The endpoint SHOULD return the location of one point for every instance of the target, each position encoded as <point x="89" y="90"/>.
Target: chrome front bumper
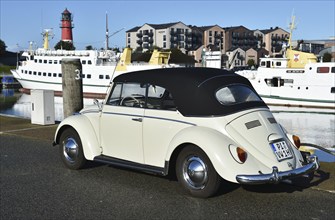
<point x="276" y="176"/>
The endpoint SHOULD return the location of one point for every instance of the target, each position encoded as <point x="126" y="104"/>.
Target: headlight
<point x="239" y="155"/>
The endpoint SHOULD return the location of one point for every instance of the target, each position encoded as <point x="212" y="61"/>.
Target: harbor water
<point x="312" y="126"/>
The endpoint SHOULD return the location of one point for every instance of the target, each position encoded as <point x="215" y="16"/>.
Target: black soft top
<point x="193" y="89"/>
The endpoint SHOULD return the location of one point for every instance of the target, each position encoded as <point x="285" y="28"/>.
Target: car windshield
<point x="235" y="94"/>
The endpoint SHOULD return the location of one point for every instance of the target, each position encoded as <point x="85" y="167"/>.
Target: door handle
<point x="137" y="119"/>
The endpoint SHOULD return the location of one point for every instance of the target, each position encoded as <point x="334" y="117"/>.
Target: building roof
<point x="266" y="31"/>
<point x="134" y="29"/>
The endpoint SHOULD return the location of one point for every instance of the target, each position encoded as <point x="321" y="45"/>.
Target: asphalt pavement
<point x="36" y="185"/>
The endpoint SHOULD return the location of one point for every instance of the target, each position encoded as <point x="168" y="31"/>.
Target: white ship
<point x="297" y="80"/>
<point x="41" y="69"/>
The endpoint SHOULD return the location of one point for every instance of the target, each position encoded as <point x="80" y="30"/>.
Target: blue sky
<point x="23" y="21"/>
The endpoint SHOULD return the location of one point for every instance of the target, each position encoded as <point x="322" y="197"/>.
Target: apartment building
<point x="213" y="37"/>
<point x="239" y="37"/>
<point x="273" y="39"/>
<point x="193" y="40"/>
<point x="166" y="36"/>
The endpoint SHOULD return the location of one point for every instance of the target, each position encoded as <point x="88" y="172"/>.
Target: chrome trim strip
<point x="151" y="117"/>
<point x="276" y="176"/>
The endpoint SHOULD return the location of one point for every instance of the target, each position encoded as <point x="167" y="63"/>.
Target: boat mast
<point x="107" y="37"/>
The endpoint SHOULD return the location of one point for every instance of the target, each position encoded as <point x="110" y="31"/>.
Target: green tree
<point x="2" y="47"/>
<point x="65" y="45"/>
<point x="89" y="47"/>
<point x="251" y="62"/>
<point x="327" y="57"/>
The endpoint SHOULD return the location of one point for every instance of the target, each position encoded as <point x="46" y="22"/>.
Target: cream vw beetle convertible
<point x="203" y="124"/>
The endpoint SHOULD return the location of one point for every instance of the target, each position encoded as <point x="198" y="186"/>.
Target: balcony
<point x="139" y="35"/>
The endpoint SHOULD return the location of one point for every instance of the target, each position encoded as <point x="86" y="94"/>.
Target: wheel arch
<point x="85" y="131"/>
<point x="212" y="142"/>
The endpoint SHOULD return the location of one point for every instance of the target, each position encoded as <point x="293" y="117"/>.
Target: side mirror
<point x="97" y="103"/>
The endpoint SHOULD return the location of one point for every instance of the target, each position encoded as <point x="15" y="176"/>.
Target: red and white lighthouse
<point x="66" y="26"/>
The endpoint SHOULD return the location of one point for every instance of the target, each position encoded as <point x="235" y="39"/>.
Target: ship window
<point x="60" y="62"/>
<point x="88" y="76"/>
<point x="101" y="76"/>
<point x="323" y="69"/>
<point x="263" y="63"/>
<point x="40" y="61"/>
<point x="59" y="75"/>
<point x="50" y="61"/>
<point x="89" y="62"/>
<point x="278" y="63"/>
<point x="82" y="76"/>
<point x="44" y="74"/>
<point x="107" y="77"/>
<point x="29" y="72"/>
<point x="35" y="60"/>
<point x="45" y="61"/>
<point x="55" y="75"/>
<point x="39" y="73"/>
<point x="49" y="74"/>
<point x="21" y="71"/>
<point x="25" y="71"/>
<point x="333" y="69"/>
<point x="83" y="61"/>
<point x="55" y="61"/>
<point x="34" y="73"/>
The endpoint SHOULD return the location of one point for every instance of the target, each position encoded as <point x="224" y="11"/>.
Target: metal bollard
<point x="72" y="86"/>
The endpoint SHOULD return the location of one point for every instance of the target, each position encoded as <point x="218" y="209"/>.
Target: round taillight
<point x="242" y="155"/>
<point x="296" y="141"/>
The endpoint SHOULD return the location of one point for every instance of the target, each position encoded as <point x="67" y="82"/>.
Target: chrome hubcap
<point x="195" y="173"/>
<point x="70" y="150"/>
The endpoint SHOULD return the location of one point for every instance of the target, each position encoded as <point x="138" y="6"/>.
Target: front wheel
<point x="71" y="150"/>
<point x="196" y="173"/>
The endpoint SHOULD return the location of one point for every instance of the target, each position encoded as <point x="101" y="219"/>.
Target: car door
<point x="121" y="122"/>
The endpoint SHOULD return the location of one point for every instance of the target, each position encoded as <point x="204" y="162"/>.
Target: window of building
<point x="164" y="44"/>
<point x="164" y="37"/>
<point x="210" y="33"/>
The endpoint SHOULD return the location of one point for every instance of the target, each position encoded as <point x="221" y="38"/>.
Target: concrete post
<point x="72" y="86"/>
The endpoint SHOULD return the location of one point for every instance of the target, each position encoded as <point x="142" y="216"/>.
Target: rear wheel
<point x="196" y="173"/>
<point x="71" y="150"/>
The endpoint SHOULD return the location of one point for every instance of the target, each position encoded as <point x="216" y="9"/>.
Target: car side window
<point x="128" y="94"/>
<point x="160" y="98"/>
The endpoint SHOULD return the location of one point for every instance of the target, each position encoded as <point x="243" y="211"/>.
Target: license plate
<point x="281" y="150"/>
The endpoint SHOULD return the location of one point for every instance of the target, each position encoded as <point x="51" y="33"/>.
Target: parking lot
<point x="36" y="185"/>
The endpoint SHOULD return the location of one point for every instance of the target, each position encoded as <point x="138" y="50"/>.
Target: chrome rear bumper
<point x="276" y="176"/>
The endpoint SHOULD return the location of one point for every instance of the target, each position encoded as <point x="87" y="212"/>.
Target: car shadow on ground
<point x="298" y="184"/>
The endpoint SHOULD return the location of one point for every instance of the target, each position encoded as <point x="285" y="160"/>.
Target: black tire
<point x="71" y="150"/>
<point x="196" y="173"/>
